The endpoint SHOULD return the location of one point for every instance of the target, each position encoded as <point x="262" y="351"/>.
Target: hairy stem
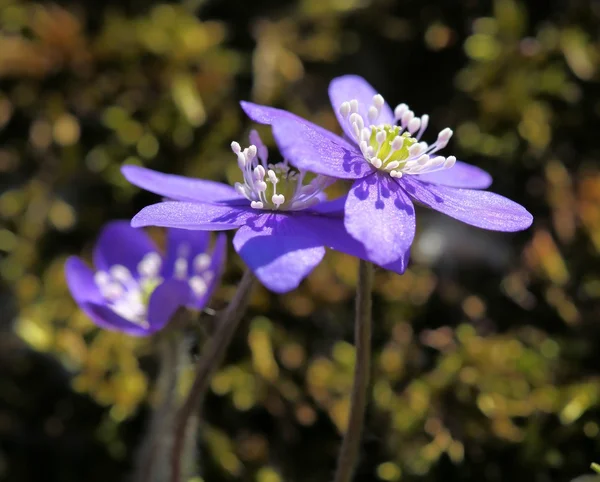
<point x="209" y="361"/>
<point x="351" y="443"/>
<point x="153" y="456"/>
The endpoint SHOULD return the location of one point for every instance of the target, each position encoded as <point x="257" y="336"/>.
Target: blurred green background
<point x="487" y="350"/>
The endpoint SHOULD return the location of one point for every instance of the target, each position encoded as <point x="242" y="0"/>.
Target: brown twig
<point x="360" y="388"/>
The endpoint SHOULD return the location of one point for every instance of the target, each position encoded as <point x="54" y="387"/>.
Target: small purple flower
<point x="391" y="167"/>
<point x="136" y="290"/>
<point x="283" y="221"/>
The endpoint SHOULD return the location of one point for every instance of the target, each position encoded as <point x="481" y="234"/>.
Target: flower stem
<point x="153" y="456"/>
<point x="360" y="387"/>
<point x="211" y="358"/>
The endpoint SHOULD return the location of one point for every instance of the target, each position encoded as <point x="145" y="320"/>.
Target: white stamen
<point x="261" y="180"/>
<point x="373" y="113"/>
<point x="241" y="189"/>
<point x="235" y="147"/>
<point x="414" y="124"/>
<point x="437" y="161"/>
<point x="399" y="111"/>
<point x="198" y="285"/>
<point x="149" y="266"/>
<point x="345" y="109"/>
<point x="356" y="119"/>
<point x="415" y="150"/>
<point x="201" y="262"/>
<point x="406" y="118"/>
<point x="181" y="268"/>
<point x="424" y="159"/>
<point x="389" y="155"/>
<point x="364" y="147"/>
<point x="101" y="278"/>
<point x="424" y="124"/>
<point x="444" y="136"/>
<point x="365" y="134"/>
<point x="278" y="199"/>
<point x="113" y="291"/>
<point x="272" y="176"/>
<point x="120" y="273"/>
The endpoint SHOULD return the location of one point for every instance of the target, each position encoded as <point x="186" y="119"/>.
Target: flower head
<point x="282" y="219"/>
<point x="394" y="147"/>
<point x="279" y="186"/>
<point x="391" y="166"/>
<point x="135" y="289"/>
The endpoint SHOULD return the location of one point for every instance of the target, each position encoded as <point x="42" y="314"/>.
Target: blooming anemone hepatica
<point x="135" y="289"/>
<point x="391" y="167"/>
<point x="282" y="218"/>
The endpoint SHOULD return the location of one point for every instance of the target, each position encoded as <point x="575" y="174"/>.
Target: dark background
<point x="486" y="350"/>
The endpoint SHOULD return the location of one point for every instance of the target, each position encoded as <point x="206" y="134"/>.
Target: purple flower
<point x="391" y="167"/>
<point x="283" y="221"/>
<point x="136" y="290"/>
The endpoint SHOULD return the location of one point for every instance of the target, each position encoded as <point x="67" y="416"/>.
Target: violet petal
<point x="306" y="148"/>
<point x="80" y="280"/>
<point x="121" y="244"/>
<point x="348" y="87"/>
<point x="179" y="188"/>
<point x="381" y="216"/>
<point x="279" y="250"/>
<point x="201" y="216"/>
<point x="164" y="302"/>
<point x="479" y="208"/>
<point x="460" y="175"/>
<point x="106" y="318"/>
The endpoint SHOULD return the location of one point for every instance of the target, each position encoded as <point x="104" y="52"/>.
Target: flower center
<point x="196" y="271"/>
<point x="126" y="295"/>
<point x="396" y="149"/>
<point x="129" y="296"/>
<point x="275" y="186"/>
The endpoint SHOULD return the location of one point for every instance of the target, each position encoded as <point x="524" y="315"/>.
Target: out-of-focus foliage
<point x="487" y="363"/>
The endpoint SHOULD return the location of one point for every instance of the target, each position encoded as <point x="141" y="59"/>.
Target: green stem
<point x="211" y="358"/>
<point x="351" y="443"/>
